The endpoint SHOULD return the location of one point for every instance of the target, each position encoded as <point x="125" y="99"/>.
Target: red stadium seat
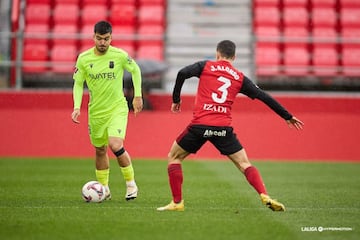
<point x="67" y="1"/>
<point x="350" y="36"/>
<point x="28" y="2"/>
<point x="98" y="2"/>
<point x="325" y="37"/>
<point x="349" y="3"/>
<point x="295" y="16"/>
<point x="151" y="29"/>
<point x="121" y="14"/>
<point x="350" y="17"/>
<point x="36" y="33"/>
<point x="124" y="36"/>
<point x="267" y="56"/>
<point x="36" y="55"/>
<point x="124" y="31"/>
<point x="324" y="17"/>
<point x="63" y="58"/>
<point x="128" y="47"/>
<point x="350" y="32"/>
<point x="298" y="34"/>
<point x="151" y="14"/>
<point x="85" y="46"/>
<point x="66" y="13"/>
<point x="295" y="3"/>
<point x="325" y="60"/>
<point x="152" y="37"/>
<point x="150" y="33"/>
<point x="65" y="33"/>
<point x="267" y="16"/>
<point x="263" y="33"/>
<point x="37" y="13"/>
<point x="296" y="59"/>
<point x="152" y="2"/>
<point x="125" y="2"/>
<point x="92" y="13"/>
<point x="323" y="3"/>
<point x="87" y="33"/>
<point x="325" y="32"/>
<point x="350" y="60"/>
<point x="150" y="51"/>
<point x="262" y="3"/>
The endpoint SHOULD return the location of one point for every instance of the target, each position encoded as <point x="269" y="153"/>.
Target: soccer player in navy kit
<point x="219" y="83"/>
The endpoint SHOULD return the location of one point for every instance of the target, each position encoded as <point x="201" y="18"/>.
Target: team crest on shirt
<point x="91" y="65"/>
<point x="111" y="64"/>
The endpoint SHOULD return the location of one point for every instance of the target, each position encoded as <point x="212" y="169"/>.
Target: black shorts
<point x="223" y="138"/>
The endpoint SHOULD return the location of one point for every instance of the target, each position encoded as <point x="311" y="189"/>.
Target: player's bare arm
<point x="75" y="115"/>
<point x="176" y="107"/>
<point x="296" y="123"/>
<point x="137" y="105"/>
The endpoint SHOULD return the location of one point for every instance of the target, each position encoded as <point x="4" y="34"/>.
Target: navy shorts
<point x="223" y="138"/>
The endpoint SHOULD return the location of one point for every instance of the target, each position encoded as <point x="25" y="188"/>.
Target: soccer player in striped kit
<point x="102" y="67"/>
<point x="219" y="83"/>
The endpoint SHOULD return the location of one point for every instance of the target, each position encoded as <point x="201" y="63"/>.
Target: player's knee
<point x="120" y="152"/>
<point x="176" y="157"/>
<point x="100" y="150"/>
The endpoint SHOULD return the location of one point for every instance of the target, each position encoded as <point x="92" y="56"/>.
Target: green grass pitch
<point x="40" y="199"/>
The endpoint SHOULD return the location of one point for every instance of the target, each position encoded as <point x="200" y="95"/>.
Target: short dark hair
<point x="226" y="48"/>
<point x="102" y="27"/>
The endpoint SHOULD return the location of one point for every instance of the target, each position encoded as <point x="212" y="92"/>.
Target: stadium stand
<point x="60" y="29"/>
<point x="195" y="26"/>
<point x="63" y="57"/>
<point x="296" y="59"/>
<point x="66" y="13"/>
<point x="64" y="33"/>
<point x="261" y="3"/>
<point x="279" y="39"/>
<point x="268" y="57"/>
<point x="92" y="12"/>
<point x="317" y="40"/>
<point x="35" y="57"/>
<point x="350" y="60"/>
<point x="34" y="33"/>
<point x="325" y="60"/>
<point x="295" y="3"/>
<point x="123" y="14"/>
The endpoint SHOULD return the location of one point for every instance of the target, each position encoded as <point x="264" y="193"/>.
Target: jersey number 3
<point x="223" y="90"/>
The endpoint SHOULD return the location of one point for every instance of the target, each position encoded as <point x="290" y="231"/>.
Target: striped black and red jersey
<point x="219" y="83"/>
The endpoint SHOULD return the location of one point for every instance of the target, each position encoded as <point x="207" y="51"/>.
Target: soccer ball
<point x="93" y="191"/>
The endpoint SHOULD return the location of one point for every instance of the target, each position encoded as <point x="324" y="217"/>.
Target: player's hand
<point x="294" y="122"/>
<point x="75" y="115"/>
<point x="175" y="107"/>
<point x="137" y="105"/>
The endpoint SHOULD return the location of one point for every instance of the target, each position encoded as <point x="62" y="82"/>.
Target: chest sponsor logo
<point x="102" y="76"/>
<point x="214" y="108"/>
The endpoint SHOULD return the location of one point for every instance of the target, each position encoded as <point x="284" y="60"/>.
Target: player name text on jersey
<point x="227" y="69"/>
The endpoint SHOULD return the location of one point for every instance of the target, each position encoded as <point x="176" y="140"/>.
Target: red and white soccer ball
<point x="93" y="191"/>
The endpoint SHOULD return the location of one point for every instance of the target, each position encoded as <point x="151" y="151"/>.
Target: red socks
<point x="175" y="180"/>
<point x="254" y="178"/>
